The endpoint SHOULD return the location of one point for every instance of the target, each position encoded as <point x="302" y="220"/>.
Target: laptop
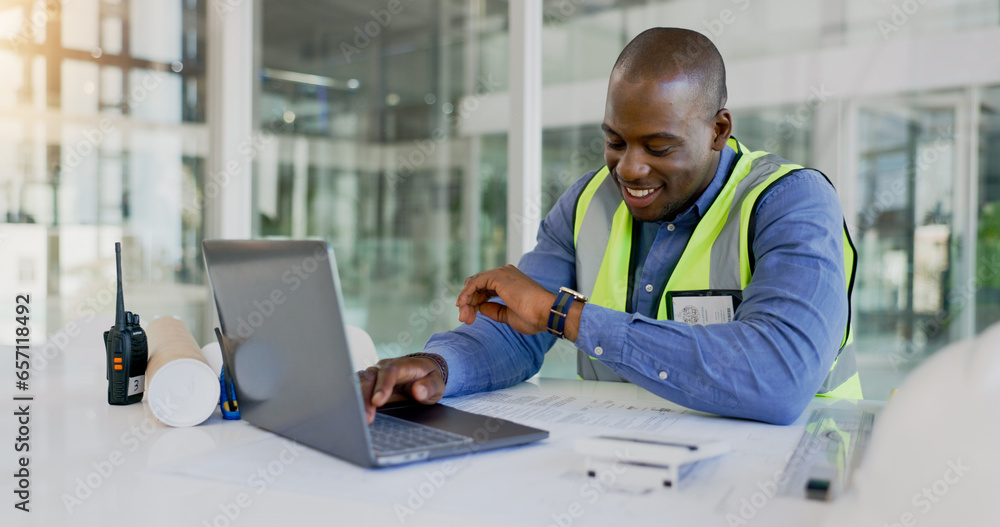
<point x="285" y="346"/>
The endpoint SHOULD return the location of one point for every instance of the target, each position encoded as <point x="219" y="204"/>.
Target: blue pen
<point x="227" y="395"/>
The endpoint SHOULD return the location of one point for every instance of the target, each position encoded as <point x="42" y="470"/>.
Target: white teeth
<point x="639" y="193"/>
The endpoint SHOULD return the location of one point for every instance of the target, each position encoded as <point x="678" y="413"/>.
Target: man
<point x="682" y="218"/>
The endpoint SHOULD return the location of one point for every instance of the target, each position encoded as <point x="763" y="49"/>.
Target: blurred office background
<point x="382" y="127"/>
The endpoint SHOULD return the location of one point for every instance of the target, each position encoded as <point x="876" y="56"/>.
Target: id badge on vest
<point x="707" y="306"/>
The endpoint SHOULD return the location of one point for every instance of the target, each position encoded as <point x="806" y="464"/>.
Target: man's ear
<point x="723" y="129"/>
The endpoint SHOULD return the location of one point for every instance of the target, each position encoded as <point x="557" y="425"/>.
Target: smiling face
<point x="662" y="143"/>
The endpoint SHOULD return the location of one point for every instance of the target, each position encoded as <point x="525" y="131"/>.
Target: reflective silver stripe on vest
<point x="725" y="259"/>
<point x="844" y="367"/>
<point x="724" y="272"/>
<point x="595" y="232"/>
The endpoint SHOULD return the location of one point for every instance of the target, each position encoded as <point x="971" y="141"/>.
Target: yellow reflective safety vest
<point x="718" y="256"/>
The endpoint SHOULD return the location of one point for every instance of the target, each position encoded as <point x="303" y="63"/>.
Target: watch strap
<point x="558" y="313"/>
<point x="437" y="359"/>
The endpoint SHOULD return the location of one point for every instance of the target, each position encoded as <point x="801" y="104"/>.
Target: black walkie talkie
<point x="126" y="347"/>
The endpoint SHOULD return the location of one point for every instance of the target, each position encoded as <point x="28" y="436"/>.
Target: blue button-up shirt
<point x="765" y="365"/>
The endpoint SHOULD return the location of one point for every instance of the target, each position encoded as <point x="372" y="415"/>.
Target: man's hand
<point x="391" y="380"/>
<point x="527" y="303"/>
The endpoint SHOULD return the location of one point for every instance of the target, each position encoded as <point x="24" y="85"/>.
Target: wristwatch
<point x="557" y="315"/>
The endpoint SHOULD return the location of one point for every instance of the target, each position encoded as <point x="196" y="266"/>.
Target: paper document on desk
<point x="545" y="480"/>
<point x="544" y="409"/>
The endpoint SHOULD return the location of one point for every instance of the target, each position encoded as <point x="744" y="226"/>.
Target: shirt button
<point x="663" y="375"/>
<point x="670" y="227"/>
<point x="649" y="288"/>
<point x="598" y="350"/>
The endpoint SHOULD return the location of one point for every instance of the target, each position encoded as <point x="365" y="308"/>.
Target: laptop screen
<point x="280" y="311"/>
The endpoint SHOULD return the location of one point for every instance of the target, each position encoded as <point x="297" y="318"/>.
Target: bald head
<point x="665" y="53"/>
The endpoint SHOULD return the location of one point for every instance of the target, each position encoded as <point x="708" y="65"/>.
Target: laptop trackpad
<point x="481" y="428"/>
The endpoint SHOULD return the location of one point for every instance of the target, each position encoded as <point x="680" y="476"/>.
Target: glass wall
<point x="367" y="103"/>
<point x="907" y="293"/>
<point x="385" y="126"/>
<point x="102" y="122"/>
<point x="568" y="154"/>
<point x="897" y="153"/>
<point x="583" y="37"/>
<point x="382" y="146"/>
<point x="987" y="265"/>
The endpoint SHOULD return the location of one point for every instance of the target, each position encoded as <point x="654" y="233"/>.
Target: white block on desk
<point x="643" y="462"/>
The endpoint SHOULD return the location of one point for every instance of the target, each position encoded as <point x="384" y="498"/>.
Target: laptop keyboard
<point x="392" y="435"/>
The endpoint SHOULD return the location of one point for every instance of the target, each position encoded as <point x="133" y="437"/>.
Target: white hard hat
<point x="934" y="458"/>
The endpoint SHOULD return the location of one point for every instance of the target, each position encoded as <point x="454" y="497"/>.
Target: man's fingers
<point x="394" y="376"/>
<point x="482" y="296"/>
<point x="384" y="384"/>
<point x="495" y="311"/>
<point x="473" y="302"/>
<point x="467" y="314"/>
<point x="367" y="389"/>
<point x="476" y="286"/>
<point x="400" y="378"/>
<point x="427" y="390"/>
<point x="418" y="391"/>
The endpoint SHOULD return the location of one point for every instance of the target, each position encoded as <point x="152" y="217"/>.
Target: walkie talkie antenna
<point x="120" y="310"/>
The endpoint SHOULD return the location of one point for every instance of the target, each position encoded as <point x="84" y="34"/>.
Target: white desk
<point x="144" y="473"/>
